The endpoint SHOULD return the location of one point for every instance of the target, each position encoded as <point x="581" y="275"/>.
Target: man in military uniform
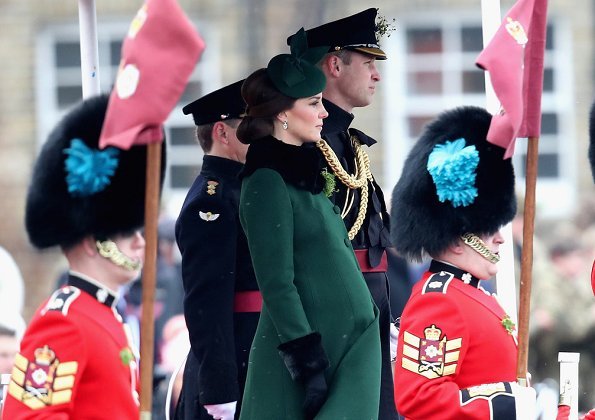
<point x="351" y="74"/>
<point x="222" y="303"/>
<point x="457" y="347"/>
<point x="76" y="358"/>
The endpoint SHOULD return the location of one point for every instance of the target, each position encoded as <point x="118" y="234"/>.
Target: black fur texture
<point x="304" y="356"/>
<point x="53" y="216"/>
<point x="421" y="224"/>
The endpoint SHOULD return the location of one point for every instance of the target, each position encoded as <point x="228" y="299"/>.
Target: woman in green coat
<point x="316" y="353"/>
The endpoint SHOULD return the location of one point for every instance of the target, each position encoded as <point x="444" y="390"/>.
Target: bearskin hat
<point x="453" y="182"/>
<point x="77" y="190"/>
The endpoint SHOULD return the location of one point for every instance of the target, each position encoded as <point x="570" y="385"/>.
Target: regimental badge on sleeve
<point x="43" y="382"/>
<point x="432" y="356"/>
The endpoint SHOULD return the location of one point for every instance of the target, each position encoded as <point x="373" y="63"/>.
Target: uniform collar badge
<point x="508" y="324"/>
<point x="101" y="295"/>
<point x="126" y="356"/>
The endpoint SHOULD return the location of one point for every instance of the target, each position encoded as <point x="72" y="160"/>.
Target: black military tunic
<point x="372" y="238"/>
<point x="221" y="302"/>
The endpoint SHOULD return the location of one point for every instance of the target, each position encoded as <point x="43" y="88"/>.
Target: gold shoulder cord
<point x="359" y="180"/>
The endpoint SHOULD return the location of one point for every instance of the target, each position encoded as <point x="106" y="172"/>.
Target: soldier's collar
<point x="338" y="119"/>
<point x="223" y="167"/>
<point x="362" y="137"/>
<point x="93" y="288"/>
<point x="466" y="277"/>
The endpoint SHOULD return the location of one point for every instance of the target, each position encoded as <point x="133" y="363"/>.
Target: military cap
<point x="220" y="105"/>
<point x="356" y="32"/>
<point x="77" y="190"/>
<point x="453" y="182"/>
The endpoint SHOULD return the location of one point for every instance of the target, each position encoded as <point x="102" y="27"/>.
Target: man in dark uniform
<point x="351" y="76"/>
<point x="77" y="359"/>
<point x="222" y="303"/>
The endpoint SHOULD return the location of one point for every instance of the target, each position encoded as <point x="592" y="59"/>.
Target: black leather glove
<point x="316" y="392"/>
<point x="306" y="361"/>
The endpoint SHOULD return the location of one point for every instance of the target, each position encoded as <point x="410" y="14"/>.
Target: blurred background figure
<point x="12" y="294"/>
<point x="9" y="347"/>
<point x="175" y="345"/>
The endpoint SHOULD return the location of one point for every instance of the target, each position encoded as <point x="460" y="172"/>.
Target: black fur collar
<point x="299" y="166"/>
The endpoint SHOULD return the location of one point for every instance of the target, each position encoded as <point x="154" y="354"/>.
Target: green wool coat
<point x="310" y="282"/>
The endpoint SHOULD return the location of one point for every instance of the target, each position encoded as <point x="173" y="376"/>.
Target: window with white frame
<point x="431" y="68"/>
<point x="59" y="87"/>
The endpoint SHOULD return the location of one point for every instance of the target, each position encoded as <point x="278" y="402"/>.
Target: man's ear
<point x="219" y="133"/>
<point x="332" y="65"/>
<point x="89" y="246"/>
<point x="457" y="247"/>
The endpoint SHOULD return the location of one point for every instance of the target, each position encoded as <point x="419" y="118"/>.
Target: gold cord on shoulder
<point x="359" y="180"/>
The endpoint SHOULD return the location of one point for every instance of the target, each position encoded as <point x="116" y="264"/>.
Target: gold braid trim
<point x="108" y="249"/>
<point x="480" y="247"/>
<point x="359" y="180"/>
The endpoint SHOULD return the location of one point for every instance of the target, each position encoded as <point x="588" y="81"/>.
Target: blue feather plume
<point x="453" y="169"/>
<point x="89" y="171"/>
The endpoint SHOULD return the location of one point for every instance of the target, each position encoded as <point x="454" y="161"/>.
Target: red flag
<point x="514" y="59"/>
<point x="563" y="412"/>
<point x="158" y="56"/>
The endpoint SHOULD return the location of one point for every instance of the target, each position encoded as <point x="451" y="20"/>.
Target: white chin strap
<point x="108" y="249"/>
<point x="476" y="244"/>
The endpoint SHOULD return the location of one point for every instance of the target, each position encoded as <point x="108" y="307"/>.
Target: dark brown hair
<point x="264" y="101"/>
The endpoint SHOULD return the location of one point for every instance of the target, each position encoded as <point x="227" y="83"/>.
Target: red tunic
<point x="455" y="356"/>
<point x="75" y="362"/>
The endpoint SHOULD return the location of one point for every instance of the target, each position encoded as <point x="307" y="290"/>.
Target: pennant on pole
<point x="514" y="59"/>
<point x="159" y="54"/>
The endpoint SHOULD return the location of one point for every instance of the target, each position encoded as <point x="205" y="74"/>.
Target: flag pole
<point x="533" y="83"/>
<point x="505" y="279"/>
<point x="527" y="259"/>
<point x="89" y="48"/>
<point x="147" y="330"/>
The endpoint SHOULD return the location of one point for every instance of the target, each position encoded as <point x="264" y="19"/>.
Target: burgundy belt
<point x="364" y="262"/>
<point x="249" y="301"/>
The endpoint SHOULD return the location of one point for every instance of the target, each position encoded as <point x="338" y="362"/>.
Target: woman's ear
<point x="282" y="116"/>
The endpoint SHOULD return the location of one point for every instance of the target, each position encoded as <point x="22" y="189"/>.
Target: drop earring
<point x="285" y="125"/>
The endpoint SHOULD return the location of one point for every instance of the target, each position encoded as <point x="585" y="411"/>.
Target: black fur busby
<point x="592" y="139"/>
<point x="115" y="204"/>
<point x="430" y="211"/>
